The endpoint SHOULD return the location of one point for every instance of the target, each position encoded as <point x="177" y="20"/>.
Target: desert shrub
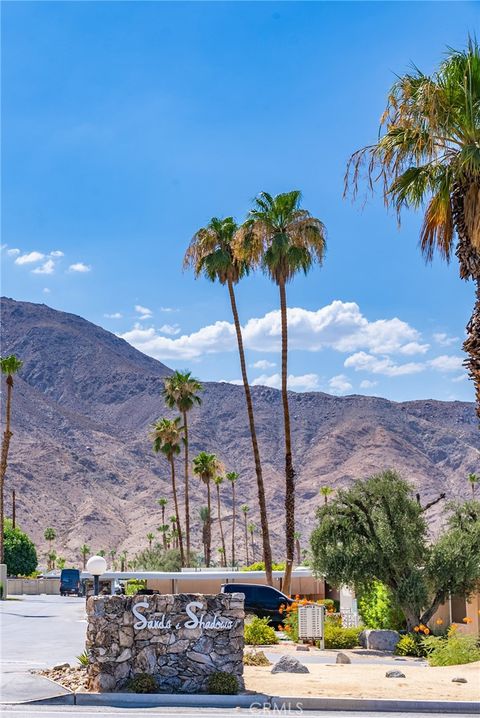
<point x="157" y="559"/>
<point x="83" y="658"/>
<point x="259" y="633"/>
<point x="142" y="683"/>
<point x="19" y="551"/>
<point x="411" y="644"/>
<point x="454" y="649"/>
<point x="225" y="684"/>
<point x="260" y="566"/>
<point x="133" y="585"/>
<point x="256" y="658"/>
<point x="378" y="609"/>
<point x="338" y="637"/>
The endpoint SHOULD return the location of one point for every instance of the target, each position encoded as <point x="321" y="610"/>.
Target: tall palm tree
<point x="205" y="518"/>
<point x="150" y="538"/>
<point x="166" y="436"/>
<point x="283" y="240"/>
<point x="163" y="504"/>
<point x="245" y="509"/>
<point x="232" y="476"/>
<point x="251" y="531"/>
<point x="218" y="481"/>
<point x="206" y="466"/>
<point x="326" y="491"/>
<point x="84" y="550"/>
<point x="211" y="253"/>
<point x="181" y="391"/>
<point x="474" y="480"/>
<point x="427" y="156"/>
<point x="9" y="365"/>
<point x="50" y="536"/>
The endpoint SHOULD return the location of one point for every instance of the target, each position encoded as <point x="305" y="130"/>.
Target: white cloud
<point x="368" y="384"/>
<point x="168" y="309"/>
<point x="305" y="382"/>
<point x="339" y="384"/>
<point x="414" y="348"/>
<point x="14" y="252"/>
<point x="462" y="377"/>
<point x="29" y="258"/>
<point x="171" y="329"/>
<point x="446" y="363"/>
<point x="115" y="315"/>
<point x="145" y="312"/>
<point x="263" y="364"/>
<point x="361" y="361"/>
<point x="57" y="253"/>
<point x="46" y="290"/>
<point x="79" y="267"/>
<point x="47" y="267"/>
<point x="339" y="326"/>
<point x="238" y="382"/>
<point x="444" y="340"/>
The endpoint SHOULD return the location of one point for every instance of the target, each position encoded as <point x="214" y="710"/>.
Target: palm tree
<point x="166" y="437"/>
<point x="221" y="553"/>
<point x="427" y="156"/>
<point x="232" y="476"/>
<point x="205" y="518"/>
<point x="150" y="538"/>
<point x="123" y="560"/>
<point x="49" y="535"/>
<point x="112" y="555"/>
<point x="163" y="504"/>
<point x="473" y="479"/>
<point x="52" y="557"/>
<point x="206" y="466"/>
<point x="245" y="509"/>
<point x="101" y="553"/>
<point x="84" y="550"/>
<point x="283" y="240"/>
<point x="251" y="531"/>
<point x="9" y="365"/>
<point x="218" y="481"/>
<point x="326" y="491"/>
<point x="211" y="253"/>
<point x="298" y="536"/>
<point x="61" y="562"/>
<point x="181" y="391"/>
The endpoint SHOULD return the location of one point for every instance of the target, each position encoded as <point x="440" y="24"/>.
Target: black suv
<point x="263" y="601"/>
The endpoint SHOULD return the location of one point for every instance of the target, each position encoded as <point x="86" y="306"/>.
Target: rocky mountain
<point x="81" y="460"/>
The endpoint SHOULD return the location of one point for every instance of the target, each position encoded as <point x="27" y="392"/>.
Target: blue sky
<point x="126" y="126"/>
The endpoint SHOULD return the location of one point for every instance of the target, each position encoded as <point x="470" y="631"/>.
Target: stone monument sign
<point x="179" y="639"/>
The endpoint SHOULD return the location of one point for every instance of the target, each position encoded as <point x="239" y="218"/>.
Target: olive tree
<point x="376" y="531"/>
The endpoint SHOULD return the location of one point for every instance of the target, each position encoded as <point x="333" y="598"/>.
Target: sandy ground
<point x="369" y="681"/>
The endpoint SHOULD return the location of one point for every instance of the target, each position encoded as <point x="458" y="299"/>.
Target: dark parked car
<point x="70" y="582"/>
<point x="263" y="601"/>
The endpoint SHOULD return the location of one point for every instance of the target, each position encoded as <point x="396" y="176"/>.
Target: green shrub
<point x="83" y="658"/>
<point x="255" y="658"/>
<point x="378" y="609"/>
<point x="259" y="633"/>
<point x="133" y="585"/>
<point x="142" y="683"/>
<point x="19" y="550"/>
<point x="338" y="637"/>
<point x="454" y="649"/>
<point x="225" y="684"/>
<point x="410" y="645"/>
<point x="260" y="566"/>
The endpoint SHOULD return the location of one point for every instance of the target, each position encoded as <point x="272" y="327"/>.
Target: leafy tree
<point x="377" y="608"/>
<point x="427" y="156"/>
<point x="326" y="491"/>
<point x="376" y="531"/>
<point x="20" y="554"/>
<point x="206" y="466"/>
<point x="218" y="481"/>
<point x="10" y="366"/>
<point x="283" y="240"/>
<point x="181" y="391"/>
<point x="232" y="477"/>
<point x="211" y="254"/>
<point x="163" y="504"/>
<point x="84" y="551"/>
<point x="156" y="559"/>
<point x="166" y="437"/>
<point x="245" y="509"/>
<point x="474" y="480"/>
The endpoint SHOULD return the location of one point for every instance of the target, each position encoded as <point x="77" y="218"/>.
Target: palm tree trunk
<point x="209" y="526"/>
<point x="253" y="548"/>
<point x="219" y="511"/>
<point x="187" y="491"/>
<point x="289" y="472"/>
<point x="267" y="550"/>
<point x="3" y="464"/>
<point x="233" y="523"/>
<point x="164" y="533"/>
<point x="177" y="512"/>
<point x="246" y="542"/>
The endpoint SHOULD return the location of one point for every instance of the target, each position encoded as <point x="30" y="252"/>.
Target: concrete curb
<point x="372" y="705"/>
<point x="195" y="700"/>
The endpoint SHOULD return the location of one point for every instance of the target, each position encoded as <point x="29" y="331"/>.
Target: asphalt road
<point x="87" y="712"/>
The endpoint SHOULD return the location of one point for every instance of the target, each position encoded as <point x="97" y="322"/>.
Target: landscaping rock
<point x="288" y="664"/>
<point x="303" y="648"/>
<point x="342" y="658"/>
<point x="61" y="666"/>
<point x="379" y="640"/>
<point x="394" y="674"/>
<point x="459" y="679"/>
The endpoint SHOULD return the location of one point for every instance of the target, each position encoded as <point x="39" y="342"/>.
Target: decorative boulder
<point x="394" y="674"/>
<point x="342" y="658"/>
<point x="458" y="679"/>
<point x="379" y="639"/>
<point x="288" y="664"/>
